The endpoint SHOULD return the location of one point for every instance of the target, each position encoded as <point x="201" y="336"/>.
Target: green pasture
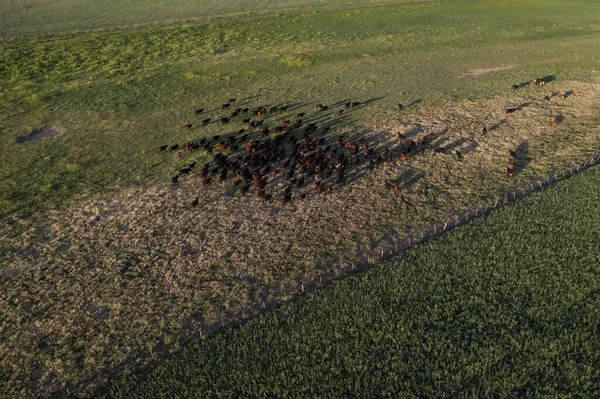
<point x="39" y="17"/>
<point x="504" y="307"/>
<point x="117" y="95"/>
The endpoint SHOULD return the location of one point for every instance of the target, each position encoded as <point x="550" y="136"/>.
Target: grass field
<point x="39" y="17"/>
<point x="504" y="307"/>
<point x="108" y="265"/>
<point x="115" y="96"/>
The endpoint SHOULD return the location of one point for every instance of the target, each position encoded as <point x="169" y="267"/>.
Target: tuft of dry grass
<point x="111" y="281"/>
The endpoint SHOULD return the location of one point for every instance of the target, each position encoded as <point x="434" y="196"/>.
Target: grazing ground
<point x="504" y="307"/>
<point x="108" y="282"/>
<point x="104" y="263"/>
<point x="116" y="96"/>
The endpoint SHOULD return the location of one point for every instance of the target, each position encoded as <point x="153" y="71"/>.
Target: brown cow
<point x="260" y="192"/>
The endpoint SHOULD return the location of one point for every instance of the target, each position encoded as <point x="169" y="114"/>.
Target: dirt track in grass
<point x="112" y="280"/>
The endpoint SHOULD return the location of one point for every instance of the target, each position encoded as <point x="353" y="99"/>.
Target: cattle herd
<point x="265" y="146"/>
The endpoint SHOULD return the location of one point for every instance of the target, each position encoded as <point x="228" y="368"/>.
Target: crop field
<point x="105" y="263"/>
<point x="504" y="307"/>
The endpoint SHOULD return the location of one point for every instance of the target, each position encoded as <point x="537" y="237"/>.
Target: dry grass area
<point x="483" y="71"/>
<point x="109" y="281"/>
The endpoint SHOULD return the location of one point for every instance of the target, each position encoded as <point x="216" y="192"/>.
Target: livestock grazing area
<point x="171" y="171"/>
<point x="505" y="307"/>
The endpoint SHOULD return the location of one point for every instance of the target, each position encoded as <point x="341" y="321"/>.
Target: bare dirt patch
<point x="483" y="71"/>
<point x="109" y="281"/>
<point x="39" y="134"/>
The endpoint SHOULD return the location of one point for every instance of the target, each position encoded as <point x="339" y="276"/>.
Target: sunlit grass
<point x="118" y="95"/>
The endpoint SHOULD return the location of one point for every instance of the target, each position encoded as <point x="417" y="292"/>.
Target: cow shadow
<point x="456" y="144"/>
<point x="569" y="93"/>
<point x="341" y="102"/>
<point x="414" y="103"/>
<point x="246" y="100"/>
<point x="472" y="147"/>
<point x="432" y="136"/>
<point x="524" y="84"/>
<point x="523" y="159"/>
<point x="414" y="131"/>
<point x="498" y="124"/>
<point x="549" y="78"/>
<point x="408" y="178"/>
<point x="362" y="105"/>
<point x="294" y="106"/>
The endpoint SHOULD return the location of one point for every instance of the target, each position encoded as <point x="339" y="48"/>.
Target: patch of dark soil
<point x="39" y="134"/>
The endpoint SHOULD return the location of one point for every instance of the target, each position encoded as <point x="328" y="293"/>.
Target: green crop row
<point x="504" y="307"/>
